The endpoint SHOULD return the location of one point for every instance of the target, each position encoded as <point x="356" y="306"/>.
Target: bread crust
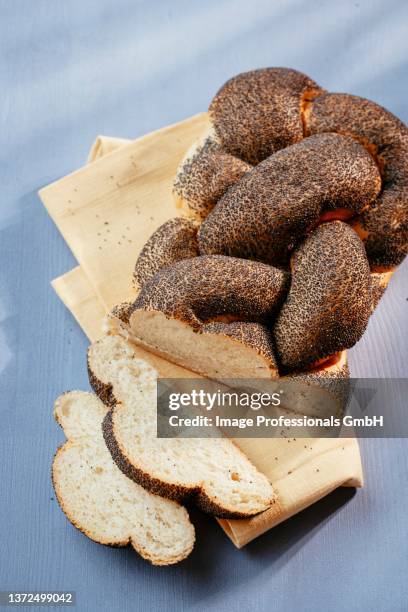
<point x="199" y="289"/>
<point x="103" y="390"/>
<point x="329" y="302"/>
<point x="204" y="175"/>
<point x="173" y="241"/>
<point x="267" y="212"/>
<point x="384" y="226"/>
<point x="256" y="113"/>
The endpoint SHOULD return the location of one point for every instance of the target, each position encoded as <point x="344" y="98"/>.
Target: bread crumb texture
<point x="100" y="501"/>
<point x="212" y="472"/>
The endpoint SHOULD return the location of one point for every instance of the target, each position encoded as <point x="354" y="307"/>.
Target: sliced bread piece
<point x="218" y="350"/>
<point x="208" y="314"/>
<point x="104" y="504"/>
<point x="211" y="471"/>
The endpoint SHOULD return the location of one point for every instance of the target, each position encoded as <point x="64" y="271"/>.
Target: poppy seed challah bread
<point x="212" y="472"/>
<point x="103" y="503"/>
<point x="281" y="160"/>
<point x="316" y="157"/>
<point x="273" y="206"/>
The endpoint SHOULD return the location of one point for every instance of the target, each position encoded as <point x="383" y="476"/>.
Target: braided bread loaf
<point x="290" y="181"/>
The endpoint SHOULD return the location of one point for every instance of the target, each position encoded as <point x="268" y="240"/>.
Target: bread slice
<point x="100" y="501"/>
<point x="208" y="314"/>
<point x="237" y="350"/>
<point x="211" y="471"/>
<point x="217" y="350"/>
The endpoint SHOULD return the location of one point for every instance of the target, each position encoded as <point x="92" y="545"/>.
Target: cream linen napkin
<point x="106" y="211"/>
